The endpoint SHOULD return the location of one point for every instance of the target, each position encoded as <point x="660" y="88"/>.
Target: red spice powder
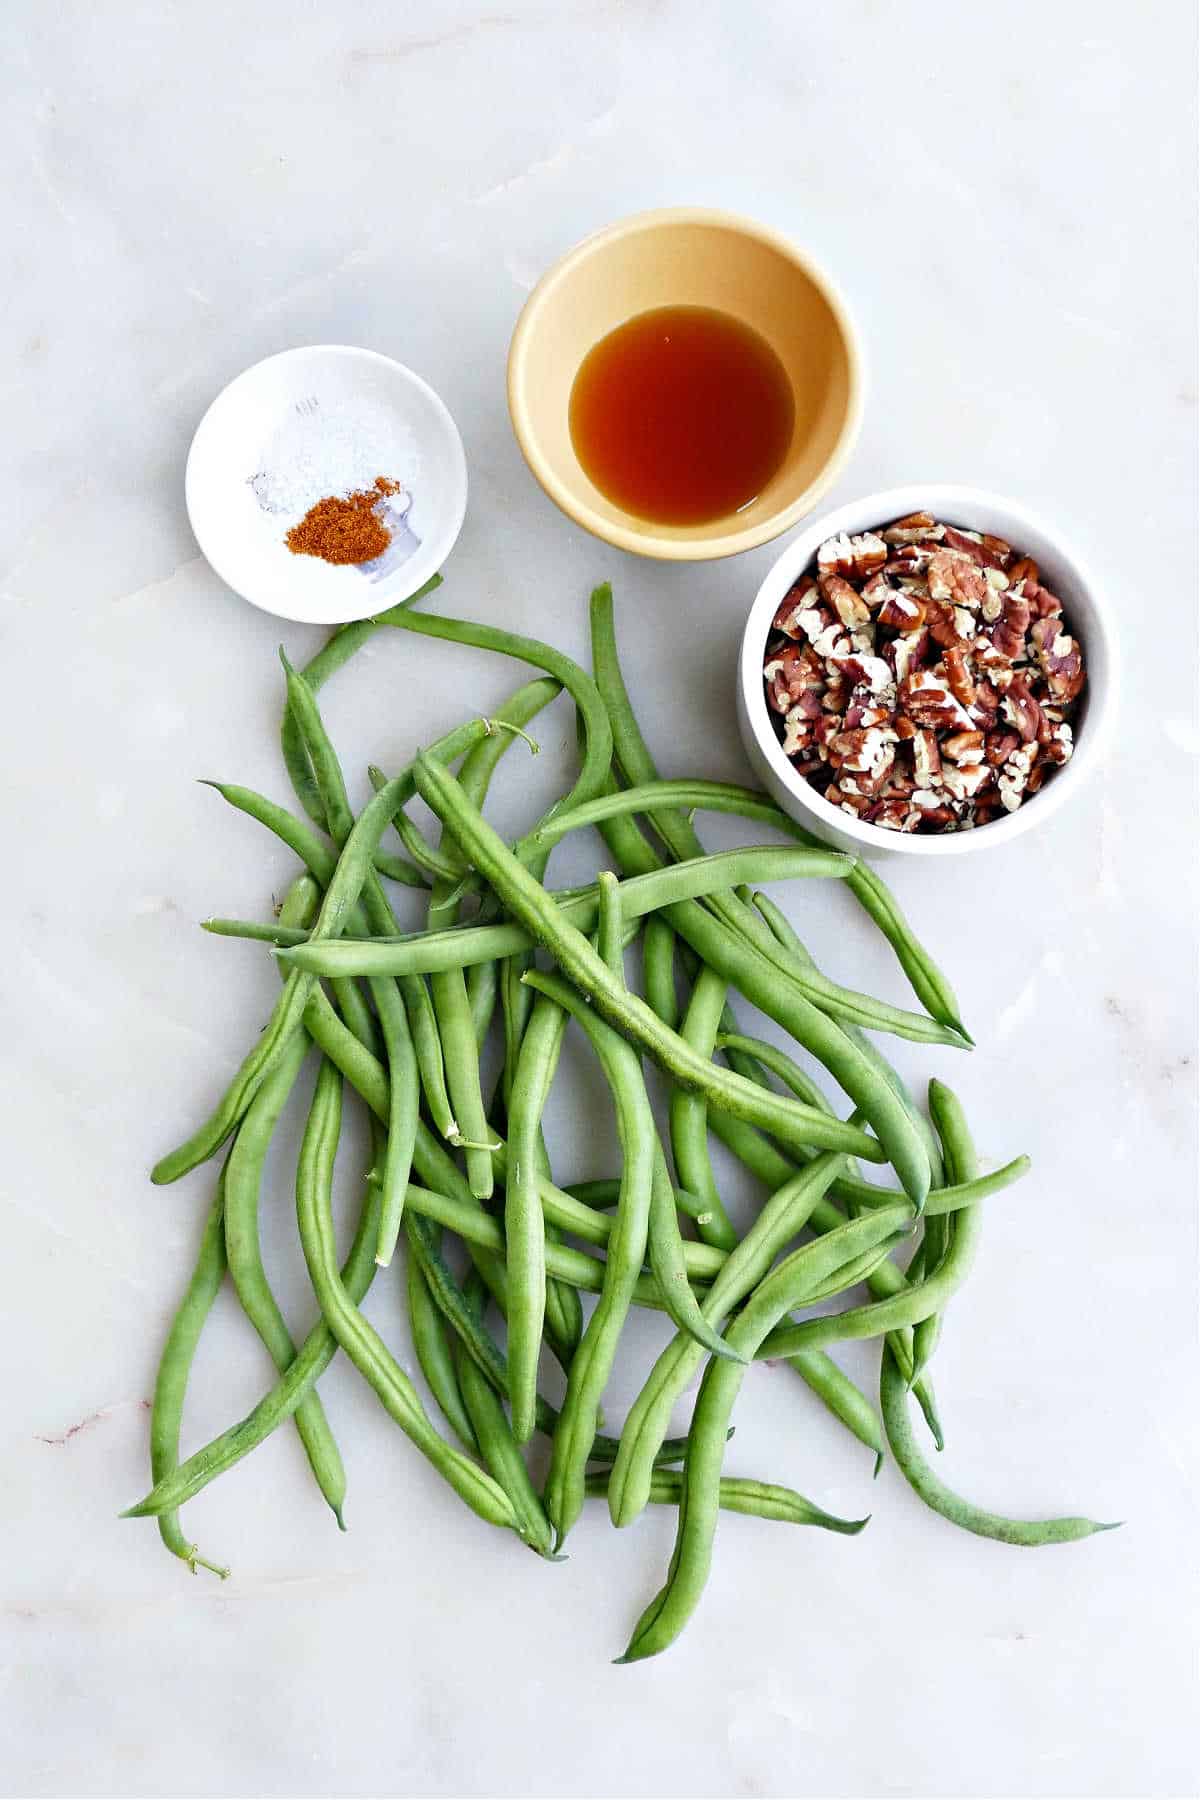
<point x="345" y="529"/>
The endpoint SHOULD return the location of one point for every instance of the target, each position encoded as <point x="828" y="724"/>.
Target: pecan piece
<point x="954" y="577"/>
<point x="958" y="675"/>
<point x="1021" y="709"/>
<point x="927" y="759"/>
<point x="1013" y="778"/>
<point x="964" y="748"/>
<point x="1061" y="745"/>
<point x="849" y="801"/>
<point x="963" y="783"/>
<point x="870" y="672"/>
<point x="791" y="671"/>
<point x="849" y="605"/>
<point x="950" y="624"/>
<point x="901" y="611"/>
<point x="1025" y="569"/>
<point x="793" y="602"/>
<point x="869" y="753"/>
<point x="907" y="652"/>
<point x="926" y="698"/>
<point x="1044" y="603"/>
<point x="1008" y="633"/>
<point x="999" y="746"/>
<point x="912" y="529"/>
<point x="896" y="813"/>
<point x="1060" y="658"/>
<point x="852" y="557"/>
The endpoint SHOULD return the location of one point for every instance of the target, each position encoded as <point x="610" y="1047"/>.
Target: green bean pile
<point x="460" y="1177"/>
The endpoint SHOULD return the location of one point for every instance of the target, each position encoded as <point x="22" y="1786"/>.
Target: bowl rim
<point x="870" y="511"/>
<point x="443" y="540"/>
<point x="648" y="542"/>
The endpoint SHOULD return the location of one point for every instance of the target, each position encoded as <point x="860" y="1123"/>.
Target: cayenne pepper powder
<point x="345" y="529"/>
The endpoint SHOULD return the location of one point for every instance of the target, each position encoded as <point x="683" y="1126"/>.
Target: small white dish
<point x="325" y="419"/>
<point x="1063" y="573"/>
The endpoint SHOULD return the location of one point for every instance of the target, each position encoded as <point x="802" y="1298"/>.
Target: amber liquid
<point x="681" y="415"/>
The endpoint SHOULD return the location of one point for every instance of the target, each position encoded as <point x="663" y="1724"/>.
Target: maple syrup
<point x="681" y="415"/>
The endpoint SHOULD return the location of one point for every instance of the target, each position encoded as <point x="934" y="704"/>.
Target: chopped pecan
<point x="849" y="801"/>
<point x="904" y="726"/>
<point x="791" y="671"/>
<point x="985" y="707"/>
<point x="964" y="748"/>
<point x="866" y="752"/>
<point x="907" y="651"/>
<point x="852" y="557"/>
<point x="1059" y="656"/>
<point x="825" y="729"/>
<point x="793" y="602"/>
<point x="1024" y="569"/>
<point x="849" y="606"/>
<point x="909" y="559"/>
<point x="912" y="528"/>
<point x="895" y="813"/>
<point x="1044" y="603"/>
<point x="861" y="715"/>
<point x="963" y="783"/>
<point x="812" y="619"/>
<point x="958" y="675"/>
<point x="954" y="577"/>
<point x="870" y="672"/>
<point x="1014" y="776"/>
<point x="1008" y="633"/>
<point x="1021" y="709"/>
<point x="901" y="611"/>
<point x="926" y="698"/>
<point x="999" y="746"/>
<point x="1061" y="745"/>
<point x="950" y="624"/>
<point x="797" y="732"/>
<point x="927" y="759"/>
<point x="833" y="641"/>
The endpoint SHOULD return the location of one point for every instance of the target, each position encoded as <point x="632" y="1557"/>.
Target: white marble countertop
<point x="1006" y="196"/>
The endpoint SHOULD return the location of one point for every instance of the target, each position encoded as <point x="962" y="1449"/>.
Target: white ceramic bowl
<point x="1064" y="574"/>
<point x="326" y="419"/>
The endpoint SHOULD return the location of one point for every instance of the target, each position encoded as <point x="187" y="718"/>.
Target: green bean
<point x="840" y="1396"/>
<point x="758" y="1499"/>
<point x="427" y="1044"/>
<point x="360" y="1341"/>
<point x="501" y="1451"/>
<point x="960" y="1161"/>
<point x="207" y="1139"/>
<point x="786" y="1287"/>
<point x="769" y="1056"/>
<point x="782" y="929"/>
<point x="272" y="932"/>
<point x="1030" y="1533"/>
<point x="598" y="753"/>
<point x="915" y="1302"/>
<point x="461" y="946"/>
<point x="593" y="1360"/>
<point x="332" y="656"/>
<point x="648" y="1419"/>
<point x="170" y="1387"/>
<point x="688" y="1112"/>
<point x="658" y="963"/>
<point x="773" y="1170"/>
<point x="172" y="1488"/>
<point x="524" y="1225"/>
<point x="603" y="1192"/>
<point x="404" y="1081"/>
<point x="243" y="1179"/>
<point x="432" y="1345"/>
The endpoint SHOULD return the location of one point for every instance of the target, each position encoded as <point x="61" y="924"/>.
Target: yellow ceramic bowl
<point x="687" y="256"/>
